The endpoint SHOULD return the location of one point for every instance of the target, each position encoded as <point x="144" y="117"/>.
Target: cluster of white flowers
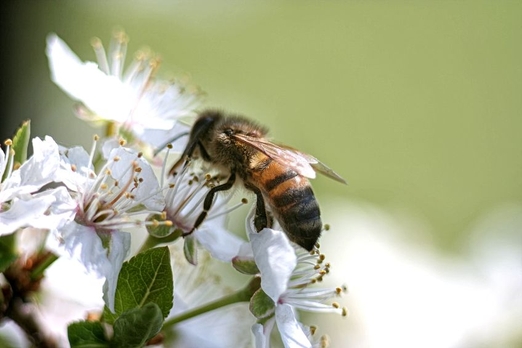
<point x="91" y="201"/>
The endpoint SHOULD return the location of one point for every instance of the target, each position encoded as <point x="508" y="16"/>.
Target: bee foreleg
<point x="207" y="203"/>
<point x="262" y="219"/>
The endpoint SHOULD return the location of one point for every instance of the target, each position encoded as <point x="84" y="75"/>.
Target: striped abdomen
<point x="291" y="200"/>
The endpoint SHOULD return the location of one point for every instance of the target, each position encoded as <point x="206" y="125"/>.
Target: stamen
<point x="313" y="329"/>
<point x="124" y="188"/>
<point x="9" y="158"/>
<point x="325" y="341"/>
<point x="101" y="56"/>
<point x="117" y="51"/>
<point x="229" y="210"/>
<point x="95" y="139"/>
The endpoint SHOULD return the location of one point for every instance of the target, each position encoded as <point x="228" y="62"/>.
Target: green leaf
<point x="145" y="278"/>
<point x="135" y="327"/>
<point x="261" y="305"/>
<point x="7" y="251"/>
<point x="190" y="250"/>
<point x="245" y="265"/>
<point x="21" y="142"/>
<point x="86" y="334"/>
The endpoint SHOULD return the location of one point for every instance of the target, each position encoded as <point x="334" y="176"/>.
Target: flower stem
<point x="242" y="295"/>
<point x="43" y="263"/>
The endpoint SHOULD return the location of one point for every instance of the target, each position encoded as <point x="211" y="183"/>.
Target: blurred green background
<point x="417" y="104"/>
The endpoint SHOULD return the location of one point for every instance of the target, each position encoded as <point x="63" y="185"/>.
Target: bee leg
<point x="207" y="204"/>
<point x="262" y="219"/>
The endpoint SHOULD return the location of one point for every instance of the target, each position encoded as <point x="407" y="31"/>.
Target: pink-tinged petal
<point x="276" y="260"/>
<point x="291" y="332"/>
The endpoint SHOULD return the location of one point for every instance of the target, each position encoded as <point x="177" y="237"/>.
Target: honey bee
<point x="278" y="175"/>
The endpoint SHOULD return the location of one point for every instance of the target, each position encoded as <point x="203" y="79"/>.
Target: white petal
<point x="147" y="192"/>
<point x="105" y="95"/>
<point x="84" y="244"/>
<point x="67" y="293"/>
<point x="23" y="213"/>
<point x="118" y="251"/>
<point x="109" y="145"/>
<point x="221" y="244"/>
<point x="3" y="163"/>
<point x="262" y="333"/>
<point x="79" y="157"/>
<point x="159" y="138"/>
<point x="276" y="260"/>
<point x="38" y="170"/>
<point x="245" y="251"/>
<point x="33" y="211"/>
<point x="289" y="328"/>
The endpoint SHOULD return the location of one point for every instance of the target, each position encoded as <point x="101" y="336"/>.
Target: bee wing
<point x="327" y="171"/>
<point x="283" y="155"/>
<point x="319" y="166"/>
<point x="304" y="164"/>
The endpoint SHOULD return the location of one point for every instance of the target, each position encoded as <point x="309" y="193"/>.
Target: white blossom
<point x="133" y="99"/>
<point x="184" y="198"/>
<point x="21" y="202"/>
<point x="196" y="286"/>
<point x="287" y="273"/>
<point x="104" y="205"/>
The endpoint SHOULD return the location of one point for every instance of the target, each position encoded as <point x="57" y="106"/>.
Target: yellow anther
<point x="96" y="42"/>
<point x="313" y="329"/>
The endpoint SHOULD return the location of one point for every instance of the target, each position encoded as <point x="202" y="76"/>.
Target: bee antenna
<point x="181" y="135"/>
